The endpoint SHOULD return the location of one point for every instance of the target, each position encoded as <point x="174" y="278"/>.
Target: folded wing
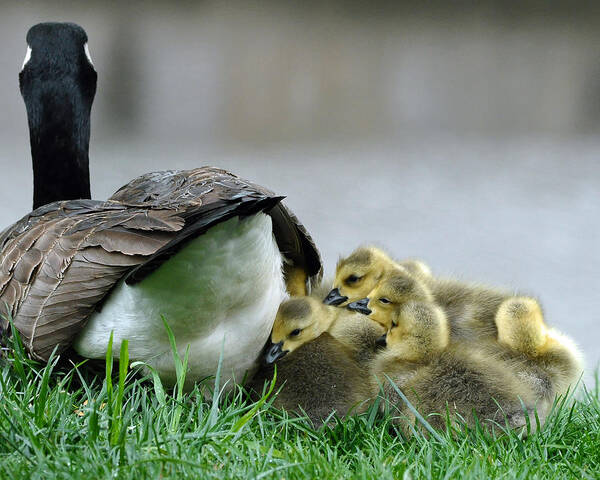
<point x="58" y="263"/>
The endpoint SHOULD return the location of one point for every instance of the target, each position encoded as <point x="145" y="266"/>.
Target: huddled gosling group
<point x="458" y="352"/>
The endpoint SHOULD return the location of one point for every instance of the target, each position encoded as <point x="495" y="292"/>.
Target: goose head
<point x="298" y="321"/>
<point x="395" y="289"/>
<point x="357" y="274"/>
<point x="58" y="84"/>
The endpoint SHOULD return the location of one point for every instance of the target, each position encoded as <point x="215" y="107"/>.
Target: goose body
<point x="210" y="252"/>
<point x="228" y="281"/>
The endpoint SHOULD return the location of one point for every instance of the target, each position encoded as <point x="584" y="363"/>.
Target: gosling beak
<point x="381" y="341"/>
<point x="273" y="352"/>
<point x="334" y="298"/>
<point x="360" y="306"/>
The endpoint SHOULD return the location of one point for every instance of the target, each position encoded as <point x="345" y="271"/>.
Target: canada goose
<point x="319" y="378"/>
<point x="210" y="251"/>
<point x="437" y="375"/>
<point x="301" y="320"/>
<point x="357" y="274"/>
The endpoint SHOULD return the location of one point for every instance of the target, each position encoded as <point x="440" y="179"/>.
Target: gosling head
<point x="357" y="274"/>
<point x="298" y="321"/>
<point x="417" y="331"/>
<point x="394" y="290"/>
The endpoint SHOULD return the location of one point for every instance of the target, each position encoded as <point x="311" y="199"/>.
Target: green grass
<point x="68" y="423"/>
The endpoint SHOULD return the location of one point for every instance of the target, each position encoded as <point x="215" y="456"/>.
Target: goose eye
<point x="384" y="300"/>
<point x="295" y="333"/>
<point x="352" y="279"/>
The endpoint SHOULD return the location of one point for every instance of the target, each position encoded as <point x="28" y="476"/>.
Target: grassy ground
<point x="68" y="423"/>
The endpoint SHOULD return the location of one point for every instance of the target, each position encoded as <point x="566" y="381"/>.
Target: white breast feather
<point x="222" y="290"/>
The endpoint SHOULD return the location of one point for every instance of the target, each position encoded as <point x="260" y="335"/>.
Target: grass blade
<point x="248" y="416"/>
<point x="414" y="411"/>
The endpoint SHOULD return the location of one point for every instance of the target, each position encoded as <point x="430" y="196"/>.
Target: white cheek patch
<point x="87" y="53"/>
<point x="27" y="57"/>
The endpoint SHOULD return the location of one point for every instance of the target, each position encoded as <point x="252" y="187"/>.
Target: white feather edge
<point x="27" y="57"/>
<point x="86" y="49"/>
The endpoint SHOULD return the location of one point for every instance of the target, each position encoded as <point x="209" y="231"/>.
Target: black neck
<point x="59" y="131"/>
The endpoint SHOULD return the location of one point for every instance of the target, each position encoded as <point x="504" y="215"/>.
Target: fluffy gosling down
<point x="529" y="362"/>
<point x="367" y="277"/>
<point x="366" y="280"/>
<point x="323" y="356"/>
<point x="438" y="376"/>
<point x="357" y="274"/>
<point x="319" y="378"/>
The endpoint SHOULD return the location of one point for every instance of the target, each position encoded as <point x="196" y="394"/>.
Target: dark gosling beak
<point x="273" y="352"/>
<point x="381" y="342"/>
<point x="334" y="298"/>
<point x="360" y="306"/>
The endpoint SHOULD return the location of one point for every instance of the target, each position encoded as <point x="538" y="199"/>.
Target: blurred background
<point x="467" y="136"/>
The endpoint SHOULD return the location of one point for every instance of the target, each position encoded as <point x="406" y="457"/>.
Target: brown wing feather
<point x="53" y="274"/>
<point x="60" y="261"/>
<point x="214" y="187"/>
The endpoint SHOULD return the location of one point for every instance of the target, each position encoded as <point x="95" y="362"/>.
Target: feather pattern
<point x="58" y="263"/>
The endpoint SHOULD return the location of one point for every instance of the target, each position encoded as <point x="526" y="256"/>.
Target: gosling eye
<point x="295" y="333"/>
<point x="352" y="279"/>
<point x="394" y="324"/>
<point x="385" y="300"/>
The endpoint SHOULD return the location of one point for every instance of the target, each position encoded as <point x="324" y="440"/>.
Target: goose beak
<point x="273" y="352"/>
<point x="360" y="306"/>
<point x="381" y="341"/>
<point x="334" y="298"/>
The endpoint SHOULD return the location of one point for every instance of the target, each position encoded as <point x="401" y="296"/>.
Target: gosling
<point x="528" y="361"/>
<point x="438" y="376"/>
<point x="548" y="361"/>
<point x="318" y="378"/>
<point x="322" y="355"/>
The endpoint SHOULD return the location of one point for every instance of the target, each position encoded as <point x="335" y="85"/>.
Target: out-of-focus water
<point x="516" y="212"/>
